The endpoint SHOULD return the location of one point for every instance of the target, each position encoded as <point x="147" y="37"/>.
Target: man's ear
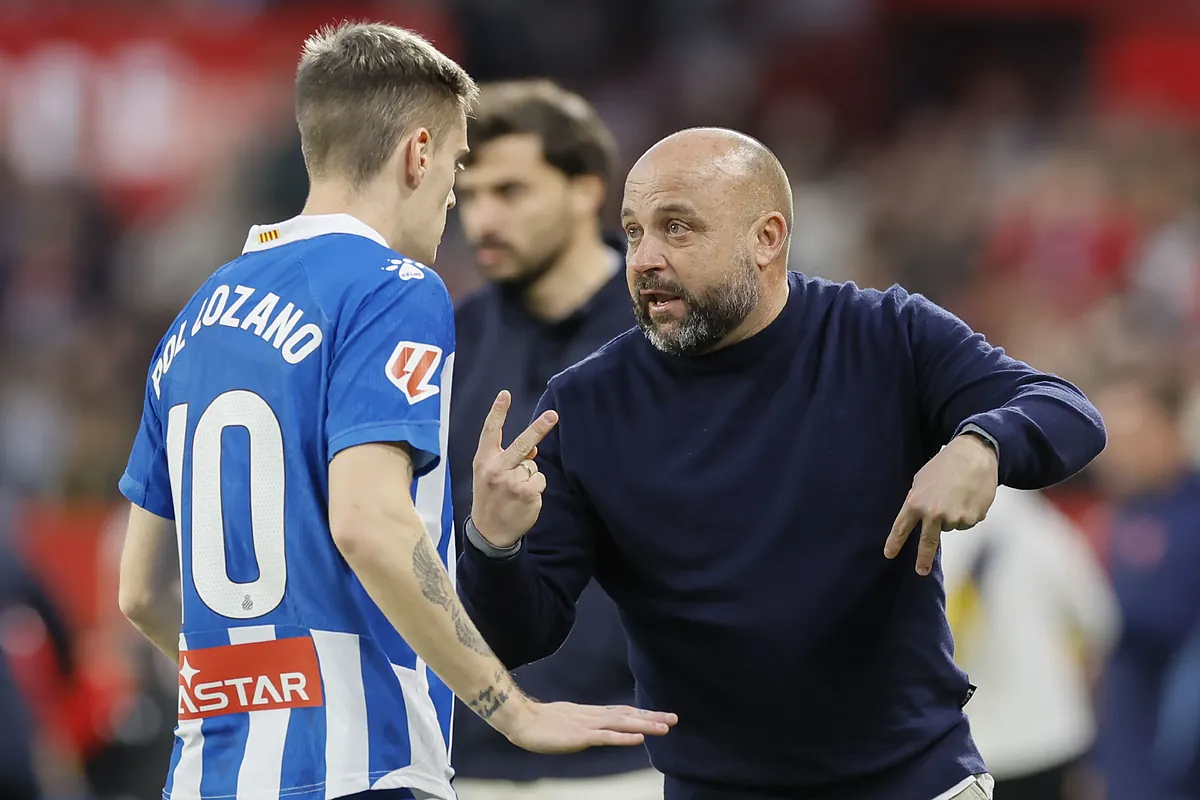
<point x="770" y="237"/>
<point x="416" y="153"/>
<point x="587" y="195"/>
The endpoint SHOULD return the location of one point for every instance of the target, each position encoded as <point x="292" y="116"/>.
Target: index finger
<point x="525" y="444"/>
<point x="492" y="434"/>
<point x="906" y="520"/>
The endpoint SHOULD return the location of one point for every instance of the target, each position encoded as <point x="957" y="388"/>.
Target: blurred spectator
<point x="1160" y="182"/>
<point x="133" y="761"/>
<point x="1150" y="708"/>
<point x="26" y="613"/>
<point x="1033" y="618"/>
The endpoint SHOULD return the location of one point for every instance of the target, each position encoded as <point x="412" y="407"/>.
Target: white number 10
<point x="266" y="486"/>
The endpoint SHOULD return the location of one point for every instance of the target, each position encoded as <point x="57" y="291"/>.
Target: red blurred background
<point x="1031" y="164"/>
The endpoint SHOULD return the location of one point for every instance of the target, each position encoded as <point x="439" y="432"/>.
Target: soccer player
<point x="530" y="201"/>
<point x="731" y="473"/>
<point x="293" y="431"/>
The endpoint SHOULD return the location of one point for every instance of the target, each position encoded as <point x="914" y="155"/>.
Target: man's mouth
<point x="490" y="254"/>
<point x="661" y="302"/>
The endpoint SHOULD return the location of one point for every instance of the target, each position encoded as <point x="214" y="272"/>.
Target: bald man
<point x="759" y="478"/>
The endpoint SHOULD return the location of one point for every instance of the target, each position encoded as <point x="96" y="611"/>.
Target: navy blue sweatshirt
<point x="1150" y="701"/>
<point x="500" y="345"/>
<point x="735" y="506"/>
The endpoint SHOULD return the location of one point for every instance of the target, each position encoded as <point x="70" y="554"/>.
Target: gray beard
<point x="710" y="316"/>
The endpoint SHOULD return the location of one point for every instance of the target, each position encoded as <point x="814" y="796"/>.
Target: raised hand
<point x="952" y="492"/>
<point x="507" y="485"/>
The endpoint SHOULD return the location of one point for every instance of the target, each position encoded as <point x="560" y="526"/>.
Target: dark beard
<point x="710" y="317"/>
<point x="517" y="285"/>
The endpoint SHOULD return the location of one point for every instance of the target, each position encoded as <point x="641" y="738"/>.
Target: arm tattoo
<point x="435" y="585"/>
<point x="489" y="701"/>
<point x="429" y="571"/>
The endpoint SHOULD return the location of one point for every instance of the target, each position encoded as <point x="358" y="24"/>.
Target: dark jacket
<point x="735" y="506"/>
<point x="500" y="346"/>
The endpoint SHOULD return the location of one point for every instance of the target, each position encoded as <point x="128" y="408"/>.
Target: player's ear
<point x="587" y="195"/>
<point x="417" y="153"/>
<point x="770" y="236"/>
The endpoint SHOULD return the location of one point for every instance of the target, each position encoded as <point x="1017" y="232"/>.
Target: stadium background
<point x="1034" y="165"/>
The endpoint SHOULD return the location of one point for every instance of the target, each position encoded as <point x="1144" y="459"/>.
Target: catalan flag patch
<point x="268" y="236"/>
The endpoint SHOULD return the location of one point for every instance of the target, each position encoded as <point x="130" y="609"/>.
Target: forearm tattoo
<point x="435" y="586"/>
<point x="489" y="701"/>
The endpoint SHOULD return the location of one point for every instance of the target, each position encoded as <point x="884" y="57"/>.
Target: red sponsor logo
<point x="258" y="676"/>
<point x="412" y="367"/>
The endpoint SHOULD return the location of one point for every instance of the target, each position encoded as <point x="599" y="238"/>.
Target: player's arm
<point x="383" y="539"/>
<point x="148" y="595"/>
<point x="1043" y="428"/>
<point x="390" y="374"/>
<point x="521" y="587"/>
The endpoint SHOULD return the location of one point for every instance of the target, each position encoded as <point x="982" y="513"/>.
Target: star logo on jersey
<point x="187" y="671"/>
<point x="406" y="269"/>
<point x="411" y="367"/>
<point x="255" y="676"/>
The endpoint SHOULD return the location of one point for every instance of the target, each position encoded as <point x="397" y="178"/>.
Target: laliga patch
<point x="412" y="367"/>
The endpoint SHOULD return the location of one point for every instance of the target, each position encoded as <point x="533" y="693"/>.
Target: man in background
<point x="1150" y="701"/>
<point x="530" y="203"/>
<point x="19" y="737"/>
<point x="1033" y="619"/>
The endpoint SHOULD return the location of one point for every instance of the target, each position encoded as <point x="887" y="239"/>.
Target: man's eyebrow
<point x="677" y="208"/>
<point x="681" y="209"/>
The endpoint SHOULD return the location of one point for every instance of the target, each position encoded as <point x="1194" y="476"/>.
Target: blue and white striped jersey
<point x="292" y="682"/>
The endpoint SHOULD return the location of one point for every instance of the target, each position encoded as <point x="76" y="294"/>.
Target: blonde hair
<point x="361" y="86"/>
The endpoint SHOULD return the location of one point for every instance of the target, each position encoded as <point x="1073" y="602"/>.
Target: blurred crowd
<point x="1069" y="235"/>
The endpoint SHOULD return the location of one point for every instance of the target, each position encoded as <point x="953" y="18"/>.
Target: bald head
<point x="740" y="170"/>
<point x="707" y="212"/>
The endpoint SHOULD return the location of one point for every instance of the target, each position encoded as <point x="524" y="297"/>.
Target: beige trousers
<point x="641" y="785"/>
<point x="646" y="784"/>
<point x="981" y="789"/>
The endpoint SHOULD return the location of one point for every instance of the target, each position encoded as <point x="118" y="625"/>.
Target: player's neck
<point x="327" y="198"/>
<point x="579" y="272"/>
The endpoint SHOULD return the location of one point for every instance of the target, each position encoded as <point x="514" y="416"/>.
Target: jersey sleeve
<point x="147" y="479"/>
<point x="389" y="377"/>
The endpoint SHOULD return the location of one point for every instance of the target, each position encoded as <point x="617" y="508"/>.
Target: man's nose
<point x="645" y="257"/>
